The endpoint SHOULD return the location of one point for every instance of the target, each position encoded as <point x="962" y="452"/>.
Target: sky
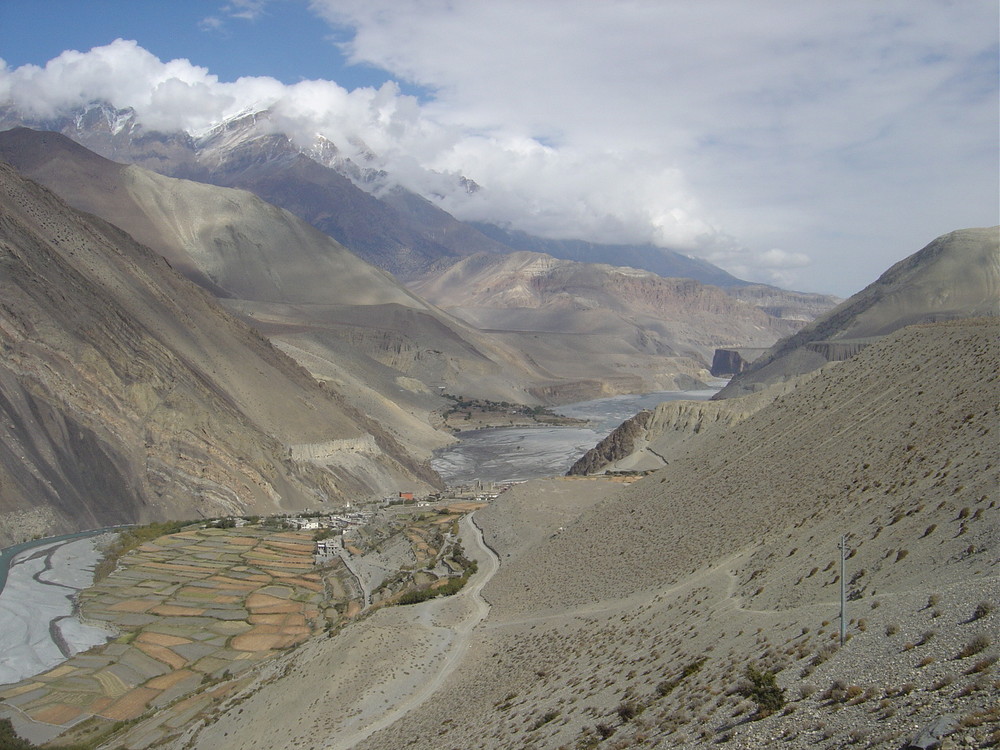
<point x="805" y="144"/>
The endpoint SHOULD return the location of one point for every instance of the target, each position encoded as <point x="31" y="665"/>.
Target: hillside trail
<point x="719" y="580"/>
<point x="429" y="615"/>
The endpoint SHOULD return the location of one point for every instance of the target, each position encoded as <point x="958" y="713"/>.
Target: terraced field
<point x="191" y="609"/>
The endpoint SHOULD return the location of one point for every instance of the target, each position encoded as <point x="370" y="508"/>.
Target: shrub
<point x="858" y="735"/>
<point x="628" y="710"/>
<point x="979" y="643"/>
<point x="837" y="691"/>
<point x="943" y="682"/>
<point x="545" y="719"/>
<point x="130" y="539"/>
<point x="9" y="739"/>
<point x="664" y="688"/>
<point x="982" y="610"/>
<point x="762" y="689"/>
<point x="982" y="665"/>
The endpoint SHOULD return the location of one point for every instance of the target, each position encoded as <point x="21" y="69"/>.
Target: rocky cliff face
<point x="782" y="303"/>
<point x="653" y="438"/>
<point x="620" y="443"/>
<point x="733" y="361"/>
<point x="127" y="394"/>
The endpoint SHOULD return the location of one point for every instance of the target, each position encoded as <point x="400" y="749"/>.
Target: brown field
<point x="57" y="714"/>
<point x="167" y="681"/>
<point x="161" y="639"/>
<point x="175" y="610"/>
<point x="161" y="653"/>
<point x="245" y="594"/>
<point x="130" y="705"/>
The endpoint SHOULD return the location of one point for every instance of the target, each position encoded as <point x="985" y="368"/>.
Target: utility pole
<point x="843" y="589"/>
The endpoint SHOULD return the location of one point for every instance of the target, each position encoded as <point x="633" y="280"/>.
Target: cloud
<point x="248" y="10"/>
<point x="849" y="134"/>
<point x="777" y="258"/>
<point x="245" y="10"/>
<point x="852" y="132"/>
<point x="171" y="95"/>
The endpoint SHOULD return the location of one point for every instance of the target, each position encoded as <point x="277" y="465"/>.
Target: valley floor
<point x="657" y="668"/>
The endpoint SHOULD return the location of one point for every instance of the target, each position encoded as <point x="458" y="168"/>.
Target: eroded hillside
<point x="526" y="291"/>
<point x="129" y="394"/>
<point x="955" y="276"/>
<point x="327" y="307"/>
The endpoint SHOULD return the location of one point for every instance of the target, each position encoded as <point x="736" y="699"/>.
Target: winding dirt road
<point x="439" y="614"/>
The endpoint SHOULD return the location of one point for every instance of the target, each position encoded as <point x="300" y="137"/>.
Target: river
<point x="513" y="454"/>
<point x="40" y="579"/>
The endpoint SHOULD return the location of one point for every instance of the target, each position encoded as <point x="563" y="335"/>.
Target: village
<point x="191" y="614"/>
<point x="351" y="529"/>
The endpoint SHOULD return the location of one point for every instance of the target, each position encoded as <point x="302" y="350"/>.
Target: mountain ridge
<point x="957" y="275"/>
<point x="402" y="232"/>
<point x="527" y="291"/>
<point x="260" y="259"/>
<point x="130" y="395"/>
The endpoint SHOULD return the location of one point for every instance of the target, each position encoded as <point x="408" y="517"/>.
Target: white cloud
<point x="853" y="132"/>
<point x="248" y="10"/>
<point x="849" y="133"/>
<point x="211" y="23"/>
<point x="777" y="258"/>
<point x="245" y="10"/>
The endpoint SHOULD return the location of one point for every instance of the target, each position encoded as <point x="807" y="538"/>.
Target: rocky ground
<point x="628" y="615"/>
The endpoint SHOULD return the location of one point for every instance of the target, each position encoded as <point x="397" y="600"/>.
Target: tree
<point x="762" y="689"/>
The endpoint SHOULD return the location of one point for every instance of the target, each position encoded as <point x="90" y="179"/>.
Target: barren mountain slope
<point x="128" y="394"/>
<point x="243" y="247"/>
<point x="865" y="437"/>
<point x="260" y="258"/>
<point x="631" y="622"/>
<point x="399" y="232"/>
<point x="526" y="291"/>
<point x="390" y="227"/>
<point x="955" y="276"/>
<point x="652" y="438"/>
<point x="730" y="556"/>
<point x="660" y="261"/>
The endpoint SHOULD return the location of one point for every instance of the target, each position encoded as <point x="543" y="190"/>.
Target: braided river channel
<point x="514" y="454"/>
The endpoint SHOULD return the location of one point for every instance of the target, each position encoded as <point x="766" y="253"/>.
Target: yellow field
<point x="191" y="608"/>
